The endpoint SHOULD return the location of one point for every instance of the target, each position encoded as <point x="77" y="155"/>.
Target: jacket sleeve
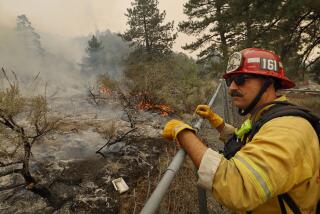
<point x="262" y="168"/>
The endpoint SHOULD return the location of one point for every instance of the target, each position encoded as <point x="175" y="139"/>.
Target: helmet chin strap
<point x="254" y="102"/>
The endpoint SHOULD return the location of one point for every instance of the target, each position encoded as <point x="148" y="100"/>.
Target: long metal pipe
<point x="155" y="199"/>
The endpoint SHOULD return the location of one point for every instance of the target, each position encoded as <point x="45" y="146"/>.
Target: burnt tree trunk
<point x="25" y="167"/>
<point x="31" y="184"/>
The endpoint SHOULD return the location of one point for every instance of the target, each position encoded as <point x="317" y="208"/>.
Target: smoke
<point x="56" y="67"/>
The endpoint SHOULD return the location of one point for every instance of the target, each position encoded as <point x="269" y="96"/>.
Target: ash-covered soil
<point x="80" y="180"/>
<point x="84" y="185"/>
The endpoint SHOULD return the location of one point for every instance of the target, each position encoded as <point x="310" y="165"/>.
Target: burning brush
<point x="164" y="110"/>
<point x="105" y="90"/>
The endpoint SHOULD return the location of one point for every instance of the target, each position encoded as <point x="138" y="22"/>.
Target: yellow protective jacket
<point x="283" y="157"/>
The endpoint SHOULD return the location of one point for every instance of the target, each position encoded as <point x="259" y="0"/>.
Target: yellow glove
<point x="205" y="112"/>
<point x="173" y="127"/>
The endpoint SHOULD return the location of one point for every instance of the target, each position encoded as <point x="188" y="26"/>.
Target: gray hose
<point x="155" y="199"/>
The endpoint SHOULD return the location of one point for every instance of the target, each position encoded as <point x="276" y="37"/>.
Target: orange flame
<point x="164" y="109"/>
<point x="105" y="90"/>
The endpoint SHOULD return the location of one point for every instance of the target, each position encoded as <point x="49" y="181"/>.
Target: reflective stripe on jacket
<point x="284" y="156"/>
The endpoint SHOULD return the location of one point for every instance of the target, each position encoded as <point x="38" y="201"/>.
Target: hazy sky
<point x="80" y="17"/>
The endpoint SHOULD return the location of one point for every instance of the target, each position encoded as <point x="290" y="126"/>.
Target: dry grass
<point x="311" y="101"/>
<point x="182" y="196"/>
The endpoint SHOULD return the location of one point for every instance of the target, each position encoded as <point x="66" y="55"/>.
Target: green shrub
<point x="174" y="81"/>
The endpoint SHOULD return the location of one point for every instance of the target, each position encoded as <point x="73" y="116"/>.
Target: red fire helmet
<point x="260" y="62"/>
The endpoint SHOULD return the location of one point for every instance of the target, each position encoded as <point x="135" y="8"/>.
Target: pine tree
<point x="208" y="22"/>
<point x="28" y="34"/>
<point x="289" y="28"/>
<point x="94" y="62"/>
<point x="146" y="28"/>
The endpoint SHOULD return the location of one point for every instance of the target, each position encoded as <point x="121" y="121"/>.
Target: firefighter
<point x="274" y="171"/>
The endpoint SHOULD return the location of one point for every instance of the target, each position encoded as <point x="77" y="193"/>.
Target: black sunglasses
<point x="239" y="79"/>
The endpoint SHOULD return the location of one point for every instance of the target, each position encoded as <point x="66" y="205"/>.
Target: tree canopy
<point x="28" y="34"/>
<point x="289" y="28"/>
<point x="147" y="30"/>
<point x="94" y="62"/>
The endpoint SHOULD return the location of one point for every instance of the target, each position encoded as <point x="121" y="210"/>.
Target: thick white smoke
<point x="57" y="67"/>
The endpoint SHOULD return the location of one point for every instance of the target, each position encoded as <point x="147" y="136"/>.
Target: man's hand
<point x="206" y="112"/>
<point x="173" y="127"/>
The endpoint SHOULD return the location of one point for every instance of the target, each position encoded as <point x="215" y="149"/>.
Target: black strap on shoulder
<point x="284" y="108"/>
<point x="279" y="109"/>
<point x="290" y="202"/>
<point x="282" y="206"/>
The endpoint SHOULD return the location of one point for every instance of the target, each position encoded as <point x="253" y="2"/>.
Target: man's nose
<point x="233" y="86"/>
